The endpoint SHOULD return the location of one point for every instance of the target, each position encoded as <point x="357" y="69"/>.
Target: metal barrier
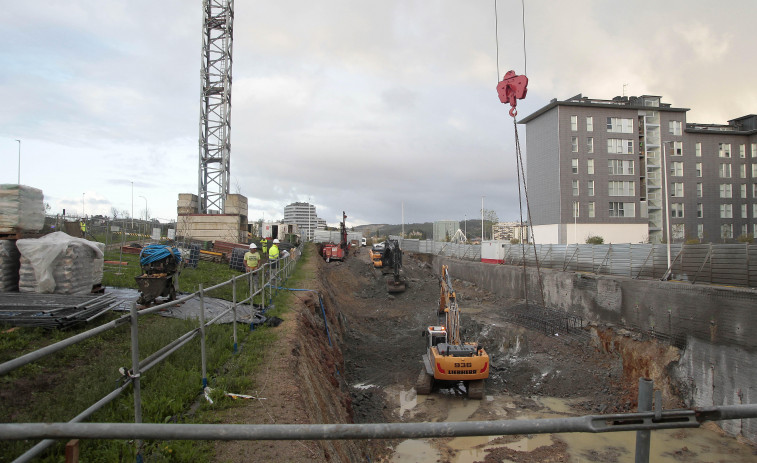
<point x="264" y="282"/>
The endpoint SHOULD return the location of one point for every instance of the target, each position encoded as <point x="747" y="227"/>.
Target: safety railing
<point x="263" y="283"/>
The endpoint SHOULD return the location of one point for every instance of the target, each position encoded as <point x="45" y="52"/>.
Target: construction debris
<point x="53" y="310"/>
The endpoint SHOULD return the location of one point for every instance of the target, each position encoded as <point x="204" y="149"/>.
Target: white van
<point x="363" y="241"/>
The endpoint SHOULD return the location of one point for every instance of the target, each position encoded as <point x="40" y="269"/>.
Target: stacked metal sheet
<point x="9" y="264"/>
<point x="21" y="209"/>
<point x="53" y="310"/>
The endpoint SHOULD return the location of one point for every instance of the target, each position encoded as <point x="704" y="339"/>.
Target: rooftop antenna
<point x="624" y="89"/>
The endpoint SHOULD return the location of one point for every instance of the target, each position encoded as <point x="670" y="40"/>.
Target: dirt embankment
<point x="301" y="382"/>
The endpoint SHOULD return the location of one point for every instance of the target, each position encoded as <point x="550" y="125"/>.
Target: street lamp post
<point x="82" y="205"/>
<point x="19" y="161"/>
<point x="145" y="212"/>
<point x="132" y="205"/>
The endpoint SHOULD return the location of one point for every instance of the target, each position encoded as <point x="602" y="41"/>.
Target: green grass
<point x="60" y="386"/>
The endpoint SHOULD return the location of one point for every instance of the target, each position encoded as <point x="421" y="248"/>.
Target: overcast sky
<point x="354" y="105"/>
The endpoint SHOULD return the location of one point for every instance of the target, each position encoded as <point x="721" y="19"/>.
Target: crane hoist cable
<point x="512" y="88"/>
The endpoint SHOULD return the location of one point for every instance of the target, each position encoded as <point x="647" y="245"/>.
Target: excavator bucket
<point x="395" y="286"/>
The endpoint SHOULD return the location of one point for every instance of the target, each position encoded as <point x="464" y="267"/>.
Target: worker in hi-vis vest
<point x="264" y="246"/>
<point x="273" y="253"/>
<point x="83" y="227"/>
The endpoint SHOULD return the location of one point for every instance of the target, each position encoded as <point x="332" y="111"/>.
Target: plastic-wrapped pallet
<point x="9" y="263"/>
<point x="99" y="264"/>
<point x="58" y="263"/>
<point x="21" y="209"/>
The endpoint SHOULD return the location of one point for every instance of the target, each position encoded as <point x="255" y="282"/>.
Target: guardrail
<point x="263" y="282"/>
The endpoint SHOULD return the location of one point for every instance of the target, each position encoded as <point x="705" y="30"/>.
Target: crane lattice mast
<point x="215" y="111"/>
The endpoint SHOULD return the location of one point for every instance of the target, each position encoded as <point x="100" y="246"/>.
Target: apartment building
<point x="305" y="217"/>
<point x="629" y="168"/>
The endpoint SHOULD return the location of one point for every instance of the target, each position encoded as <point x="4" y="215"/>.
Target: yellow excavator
<point x="448" y="359"/>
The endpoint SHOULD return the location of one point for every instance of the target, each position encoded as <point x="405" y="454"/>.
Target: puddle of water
<point x="530" y="443"/>
<point x="363" y="386"/>
<point x="419" y="451"/>
<point x="461" y="410"/>
<point x="667" y="446"/>
<point x="558" y="405"/>
<point x="408" y="401"/>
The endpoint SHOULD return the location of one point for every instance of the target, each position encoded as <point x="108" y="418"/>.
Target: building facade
<point x="629" y="168"/>
<point x="506" y="231"/>
<point x="304" y="216"/>
<point x="444" y="230"/>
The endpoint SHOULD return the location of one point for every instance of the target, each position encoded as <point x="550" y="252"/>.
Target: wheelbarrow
<point x="154" y="286"/>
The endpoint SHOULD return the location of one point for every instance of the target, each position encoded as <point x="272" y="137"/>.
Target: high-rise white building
<point x="305" y="217"/>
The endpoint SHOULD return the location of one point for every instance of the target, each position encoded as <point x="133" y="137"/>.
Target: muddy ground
<point x="368" y="373"/>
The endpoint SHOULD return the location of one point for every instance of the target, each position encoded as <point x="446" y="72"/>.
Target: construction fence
<point x="262" y="284"/>
<point x="723" y="264"/>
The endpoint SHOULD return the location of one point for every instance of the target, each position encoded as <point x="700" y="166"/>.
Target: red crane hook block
<point x="510" y="88"/>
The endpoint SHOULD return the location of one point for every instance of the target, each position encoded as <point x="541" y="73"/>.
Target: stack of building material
<point x="187" y="204"/>
<point x="21" y="209"/>
<point x="59" y="263"/>
<point x="9" y="263"/>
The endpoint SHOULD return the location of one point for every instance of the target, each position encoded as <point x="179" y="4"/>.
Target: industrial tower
<point x="215" y="106"/>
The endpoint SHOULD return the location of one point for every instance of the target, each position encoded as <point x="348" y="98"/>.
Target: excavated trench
<point x="364" y="368"/>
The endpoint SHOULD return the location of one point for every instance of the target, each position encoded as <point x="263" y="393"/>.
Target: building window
<point x="677" y="190"/>
<point x="677" y="148"/>
<point x="590" y="166"/>
<point x="700" y="231"/>
<point x="589" y="124"/>
<point x="574" y="144"/>
<point x="726" y="191"/>
<point x="754" y="211"/>
<point x="621" y="188"/>
<point x="743" y="212"/>
<point x="576" y="209"/>
<point x="754" y="230"/>
<point x="726" y="231"/>
<point x="676" y="210"/>
<point x="676" y="169"/>
<point x="674" y="127"/>
<point x="742" y="150"/>
<point x="754" y="192"/>
<point x="724" y="171"/>
<point x="742" y="171"/>
<point x="700" y="210"/>
<point x="700" y="190"/>
<point x="618" y="209"/>
<point x="590" y="145"/>
<point x="574" y="165"/>
<point x="745" y="230"/>
<point x="698" y="149"/>
<point x="726" y="211"/>
<point x="619" y="125"/>
<point x="754" y="170"/>
<point x="742" y="190"/>
<point x="591" y="209"/>
<point x="698" y="168"/>
<point x="754" y="150"/>
<point x="619" y="146"/>
<point x="590" y="188"/>
<point x="575" y="187"/>
<point x="574" y="123"/>
<point x="619" y="167"/>
<point x="724" y="150"/>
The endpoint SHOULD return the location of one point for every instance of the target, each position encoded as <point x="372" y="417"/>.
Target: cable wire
<point x="496" y="36"/>
<point x="525" y="59"/>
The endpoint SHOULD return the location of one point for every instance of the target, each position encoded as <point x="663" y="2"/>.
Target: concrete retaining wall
<point x="715" y="326"/>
